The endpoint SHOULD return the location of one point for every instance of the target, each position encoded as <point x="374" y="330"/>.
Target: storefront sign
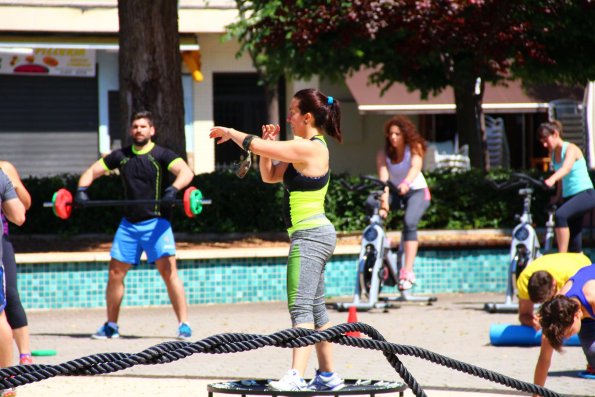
<point x="71" y="62"/>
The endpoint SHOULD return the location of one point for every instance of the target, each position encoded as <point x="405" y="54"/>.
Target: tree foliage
<point x="563" y="31"/>
<point x="427" y="45"/>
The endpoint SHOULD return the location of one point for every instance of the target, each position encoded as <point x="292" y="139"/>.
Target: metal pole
<point x="111" y="203"/>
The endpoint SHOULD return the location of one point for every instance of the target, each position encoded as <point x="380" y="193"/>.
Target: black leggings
<point x="571" y="214"/>
<point x="15" y="314"/>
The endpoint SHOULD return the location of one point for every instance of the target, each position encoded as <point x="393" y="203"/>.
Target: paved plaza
<point x="456" y="326"/>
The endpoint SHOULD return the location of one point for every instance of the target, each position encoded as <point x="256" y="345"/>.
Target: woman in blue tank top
<point x="571" y="311"/>
<point x="575" y="189"/>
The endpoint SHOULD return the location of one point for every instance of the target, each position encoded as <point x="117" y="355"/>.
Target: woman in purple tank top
<point x="15" y="313"/>
<point x="571" y="311"/>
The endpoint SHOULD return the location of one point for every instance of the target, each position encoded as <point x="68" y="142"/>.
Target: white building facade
<point x="59" y="111"/>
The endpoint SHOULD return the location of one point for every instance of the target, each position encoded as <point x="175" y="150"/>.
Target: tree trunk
<point x="150" y="69"/>
<point x="470" y="125"/>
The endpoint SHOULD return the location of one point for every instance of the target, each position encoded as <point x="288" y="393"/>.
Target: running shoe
<point x="25" y="359"/>
<point x="107" y="331"/>
<point x="8" y="392"/>
<point x="184" y="331"/>
<point x="326" y="381"/>
<point x="291" y="381"/>
<point x="406" y="280"/>
<point x="588" y="374"/>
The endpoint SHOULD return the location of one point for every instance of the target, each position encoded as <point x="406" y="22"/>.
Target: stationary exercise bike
<point x="378" y="264"/>
<point x="524" y="246"/>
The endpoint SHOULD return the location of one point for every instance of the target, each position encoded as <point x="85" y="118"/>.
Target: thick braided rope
<point x="105" y="363"/>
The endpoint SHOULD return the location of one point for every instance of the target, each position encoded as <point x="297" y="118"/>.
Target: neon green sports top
<point x="303" y="206"/>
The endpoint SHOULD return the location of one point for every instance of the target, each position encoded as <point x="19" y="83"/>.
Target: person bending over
<point x="542" y="279"/>
<point x="143" y="168"/>
<point x="302" y="165"/>
<point x="571" y="311"/>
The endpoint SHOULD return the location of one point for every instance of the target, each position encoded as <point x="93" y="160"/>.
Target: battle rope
<point x="105" y="363"/>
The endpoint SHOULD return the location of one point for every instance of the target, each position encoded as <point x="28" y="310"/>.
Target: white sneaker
<point x="330" y="382"/>
<point x="291" y="381"/>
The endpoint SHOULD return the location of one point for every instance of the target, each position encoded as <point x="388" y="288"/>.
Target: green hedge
<point x="459" y="201"/>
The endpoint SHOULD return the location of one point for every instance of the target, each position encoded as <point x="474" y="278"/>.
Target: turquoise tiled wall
<point x="436" y="271"/>
<point x="82" y="285"/>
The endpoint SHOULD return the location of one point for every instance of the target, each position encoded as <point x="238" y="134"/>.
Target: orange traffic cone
<point x="352" y="318"/>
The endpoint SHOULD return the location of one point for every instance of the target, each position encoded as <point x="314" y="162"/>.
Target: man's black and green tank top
<point x="304" y="198"/>
<point x="144" y="175"/>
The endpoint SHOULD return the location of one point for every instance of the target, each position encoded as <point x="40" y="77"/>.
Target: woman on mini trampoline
<point x="302" y="165"/>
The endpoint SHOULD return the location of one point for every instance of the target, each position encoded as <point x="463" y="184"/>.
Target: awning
<point x="497" y="99"/>
<point x="88" y="42"/>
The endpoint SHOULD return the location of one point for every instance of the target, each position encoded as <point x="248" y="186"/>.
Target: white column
<point x="107" y="80"/>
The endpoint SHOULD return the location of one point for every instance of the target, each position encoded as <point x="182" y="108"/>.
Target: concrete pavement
<point x="456" y="326"/>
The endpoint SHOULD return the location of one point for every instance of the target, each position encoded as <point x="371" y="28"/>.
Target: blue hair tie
<point x="330" y="100"/>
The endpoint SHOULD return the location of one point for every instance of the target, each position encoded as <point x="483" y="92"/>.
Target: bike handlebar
<point x="519" y="179"/>
<point x="370" y="181"/>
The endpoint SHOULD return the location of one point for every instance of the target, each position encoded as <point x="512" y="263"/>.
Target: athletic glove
<point x="81" y="196"/>
<point x="169" y="196"/>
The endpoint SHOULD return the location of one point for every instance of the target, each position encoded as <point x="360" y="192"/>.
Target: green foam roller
<point x="43" y="352"/>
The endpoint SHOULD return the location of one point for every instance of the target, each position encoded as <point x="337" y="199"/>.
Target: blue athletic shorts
<point x="154" y="236"/>
<point x="2" y="289"/>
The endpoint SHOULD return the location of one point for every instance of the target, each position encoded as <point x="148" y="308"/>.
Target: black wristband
<point x="247" y="142"/>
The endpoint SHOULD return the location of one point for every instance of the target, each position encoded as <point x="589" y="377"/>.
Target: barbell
<point x="62" y="203"/>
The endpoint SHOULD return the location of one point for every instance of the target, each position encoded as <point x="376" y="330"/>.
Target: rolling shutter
<point x="49" y="125"/>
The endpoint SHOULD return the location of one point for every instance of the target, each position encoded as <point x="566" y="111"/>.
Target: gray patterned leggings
<point x="310" y="250"/>
<point x="416" y="203"/>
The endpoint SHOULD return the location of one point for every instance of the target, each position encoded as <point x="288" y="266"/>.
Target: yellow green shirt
<point x="561" y="266"/>
<point x="304" y="198"/>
